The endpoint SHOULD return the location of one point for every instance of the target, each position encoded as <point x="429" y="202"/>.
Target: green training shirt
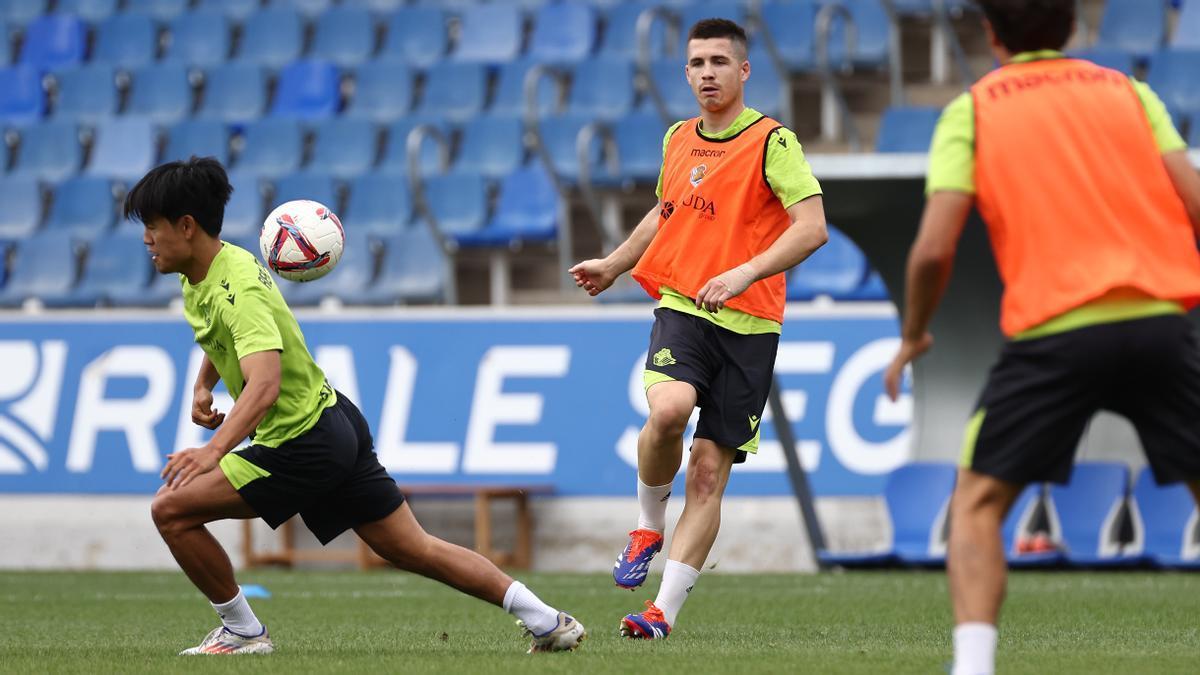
<point x="237" y="311"/>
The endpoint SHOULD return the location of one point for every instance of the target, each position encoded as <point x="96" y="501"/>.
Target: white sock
<point x="537" y="616"/>
<point x="677" y="582"/>
<point x="238" y="617"/>
<point x="653" y="500"/>
<point x="974" y="649"/>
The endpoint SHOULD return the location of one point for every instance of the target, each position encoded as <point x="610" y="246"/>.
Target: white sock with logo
<point x="678" y="580"/>
<point x="653" y="502"/>
<point x="537" y="616"/>
<point x="238" y="617"/>
<point x="974" y="649"/>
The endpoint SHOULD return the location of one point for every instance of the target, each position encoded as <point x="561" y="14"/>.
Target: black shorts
<point x="731" y="372"/>
<point x="1041" y="394"/>
<point x="329" y="475"/>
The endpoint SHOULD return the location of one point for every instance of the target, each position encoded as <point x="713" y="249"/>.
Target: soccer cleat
<point x="649" y="625"/>
<point x="631" y="567"/>
<point x="224" y="641"/>
<point x="565" y="637"/>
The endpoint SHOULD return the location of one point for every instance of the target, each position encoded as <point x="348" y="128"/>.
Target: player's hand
<point x="594" y="276"/>
<point x="721" y="288"/>
<point x="203" y="414"/>
<point x="909" y="351"/>
<point x="183" y="466"/>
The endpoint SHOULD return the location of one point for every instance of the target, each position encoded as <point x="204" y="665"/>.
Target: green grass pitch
<point x="351" y="622"/>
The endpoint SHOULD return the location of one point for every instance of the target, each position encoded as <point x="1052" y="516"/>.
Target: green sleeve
<point x="666" y="140"/>
<point x="952" y="151"/>
<point x="1165" y="134"/>
<point x="787" y="170"/>
<point x="247" y="312"/>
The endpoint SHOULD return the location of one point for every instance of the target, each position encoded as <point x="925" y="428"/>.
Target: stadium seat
<point x="837" y="270"/>
<point x="1194" y="132"/>
<point x="906" y="129"/>
<point x="125" y="148"/>
<point x="126" y="40"/>
<point x="1017" y="526"/>
<point x="44" y="267"/>
<point x="376" y="7"/>
<point x="383" y="91"/>
<point x="5" y="46"/>
<point x="489" y="34"/>
<point x="669" y="77"/>
<point x="54" y="41"/>
<point x="345" y="36"/>
<point x="379" y="205"/>
<point x="116" y="264"/>
<point x="272" y="38"/>
<point x="1088" y="511"/>
<point x="198" y="39"/>
<point x="234" y="92"/>
<point x="86" y="93"/>
<point x="492" y="146"/>
<point x="560" y="135"/>
<point x="344" y="147"/>
<point x="620" y="35"/>
<point x="455" y="91"/>
<point x="1166" y="519"/>
<point x="764" y="90"/>
<point x="83" y="208"/>
<point x="872" y="289"/>
<point x="691" y="12"/>
<point x="1136" y="27"/>
<point x="22" y="211"/>
<point x="244" y="213"/>
<point x="1187" y="27"/>
<point x="395" y="152"/>
<point x="526" y="211"/>
<point x="21" y="12"/>
<point x="22" y="100"/>
<point x="347" y="282"/>
<point x="160" y="292"/>
<point x="310" y="9"/>
<point x="318" y="187"/>
<point x="307" y="90"/>
<point x="159" y="10"/>
<point x="161" y="93"/>
<point x="49" y="151"/>
<point x="202" y="138"/>
<point x="563" y="32"/>
<point x="1172" y="75"/>
<point x="603" y="87"/>
<point x="791" y="25"/>
<point x="273" y="148"/>
<point x="510" y="90"/>
<point x="872" y="35"/>
<point x="639" y="139"/>
<point x="925" y="7"/>
<point x="91" y="11"/>
<point x="413" y="270"/>
<point x="235" y="10"/>
<point x="459" y="203"/>
<point x="416" y="37"/>
<point x="1109" y="58"/>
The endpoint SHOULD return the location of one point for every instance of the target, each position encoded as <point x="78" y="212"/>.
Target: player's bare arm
<point x="1187" y="183"/>
<point x="806" y="234"/>
<point x="597" y="274"/>
<point x="203" y="414"/>
<point x="929" y="265"/>
<point x="261" y="371"/>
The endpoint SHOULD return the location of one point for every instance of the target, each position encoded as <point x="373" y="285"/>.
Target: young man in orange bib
<point x="738" y="205"/>
<point x="1093" y="210"/>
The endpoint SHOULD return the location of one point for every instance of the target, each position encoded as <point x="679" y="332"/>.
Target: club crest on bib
<point x="698" y="174"/>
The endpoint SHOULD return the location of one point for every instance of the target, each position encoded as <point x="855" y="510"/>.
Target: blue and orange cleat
<point x="634" y="562"/>
<point x="649" y="625"/>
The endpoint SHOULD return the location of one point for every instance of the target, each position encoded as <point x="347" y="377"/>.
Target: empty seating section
<point x="307" y="90"/>
<point x="1133" y="26"/>
<point x="86" y="93"/>
<point x="382" y="91"/>
<point x="344" y="36"/>
<point x="161" y="93"/>
<point x="198" y="38"/>
<point x="907" y="129"/>
<point x="272" y="38"/>
<point x="128" y="40"/>
<point x="489" y="33"/>
<point x="344" y="147"/>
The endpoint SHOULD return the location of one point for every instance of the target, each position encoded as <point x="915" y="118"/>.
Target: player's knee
<point x="165" y="513"/>
<point x="668" y="419"/>
<point x="982" y="497"/>
<point x="704" y="476"/>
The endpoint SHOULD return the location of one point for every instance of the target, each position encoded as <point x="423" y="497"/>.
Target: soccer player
<point x="312" y="451"/>
<point x="1093" y="211"/>
<point x="738" y="205"/>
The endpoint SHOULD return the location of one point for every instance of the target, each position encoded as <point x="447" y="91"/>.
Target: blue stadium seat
<point x="564" y="32"/>
<point x="272" y="38"/>
<point x="126" y="40"/>
<point x="21" y="12"/>
<point x="234" y="92"/>
<point x="1166" y="517"/>
<point x="1172" y="75"/>
<point x="764" y="90"/>
<point x="22" y="100"/>
<point x="344" y="36"/>
<point x="83" y="208"/>
<point x="383" y="91"/>
<point x="159" y="10"/>
<point x="307" y="90"/>
<point x="317" y="187"/>
<point x="273" y="148"/>
<point x="691" y="12"/>
<point x="86" y="93"/>
<point x="44" y="267"/>
<point x="202" y="138"/>
<point x="1017" y="524"/>
<point x="792" y="27"/>
<point x="603" y="87"/>
<point x="22" y="211"/>
<point x="907" y="129"/>
<point x="489" y="34"/>
<point x="668" y="75"/>
<point x="1187" y="27"/>
<point x="1194" y="131"/>
<point x="925" y="7"/>
<point x="1088" y="512"/>
<point x="1133" y="26"/>
<point x="455" y="91"/>
<point x="161" y="291"/>
<point x="510" y="90"/>
<point x="235" y="10"/>
<point x="395" y="152"/>
<point x="413" y="270"/>
<point x="873" y="289"/>
<point x="416" y="37"/>
<point x="560" y="134"/>
<point x="198" y="39"/>
<point x="379" y="205"/>
<point x="459" y="203"/>
<point x="872" y="31"/>
<point x="160" y="93"/>
<point x="310" y="9"/>
<point x="837" y="269"/>
<point x="344" y="147"/>
<point x="244" y="213"/>
<point x="116" y="264"/>
<point x="54" y="41"/>
<point x="125" y="148"/>
<point x="376" y="7"/>
<point x="527" y="211"/>
<point x="349" y="280"/>
<point x="1109" y="58"/>
<point x="49" y="151"/>
<point x="88" y="10"/>
<point x="639" y="139"/>
<point x="492" y="146"/>
<point x="5" y="46"/>
<point x="620" y="34"/>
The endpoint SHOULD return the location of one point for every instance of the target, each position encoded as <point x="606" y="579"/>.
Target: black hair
<point x="707" y="29"/>
<point x="1030" y="25"/>
<point x="198" y="188"/>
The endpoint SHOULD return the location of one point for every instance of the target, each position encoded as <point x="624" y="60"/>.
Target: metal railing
<point x="644" y="26"/>
<point x="413" y="146"/>
<point x="835" y="111"/>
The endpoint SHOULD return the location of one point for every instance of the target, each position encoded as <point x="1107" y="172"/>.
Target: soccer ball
<point x="302" y="240"/>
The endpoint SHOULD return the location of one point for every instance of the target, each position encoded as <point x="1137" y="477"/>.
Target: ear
<point x="189" y="226"/>
<point x="745" y="74"/>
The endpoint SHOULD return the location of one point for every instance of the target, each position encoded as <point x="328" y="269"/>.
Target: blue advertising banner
<point x="92" y="403"/>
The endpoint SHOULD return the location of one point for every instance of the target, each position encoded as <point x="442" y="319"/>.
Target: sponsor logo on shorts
<point x="663" y="358"/>
<point x="754" y="422"/>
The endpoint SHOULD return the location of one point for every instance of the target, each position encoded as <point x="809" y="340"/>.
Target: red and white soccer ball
<point x="302" y="240"/>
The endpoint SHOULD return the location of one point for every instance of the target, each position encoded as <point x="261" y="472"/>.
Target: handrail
<point x="834" y="109"/>
<point x="895" y="56"/>
<point x="416" y="185"/>
<point x="941" y="18"/>
<point x="754" y="12"/>
<point x="583" y="145"/>
<point x="533" y="136"/>
<point x="645" y="23"/>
